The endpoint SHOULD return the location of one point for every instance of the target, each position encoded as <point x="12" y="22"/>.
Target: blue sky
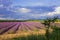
<point x="36" y="2"/>
<point x="29" y="9"/>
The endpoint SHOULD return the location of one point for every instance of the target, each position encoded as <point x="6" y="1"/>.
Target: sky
<point x="29" y="9"/>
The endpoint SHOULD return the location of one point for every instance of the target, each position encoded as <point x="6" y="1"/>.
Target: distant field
<point x="58" y="20"/>
<point x="25" y="20"/>
<point x="21" y="20"/>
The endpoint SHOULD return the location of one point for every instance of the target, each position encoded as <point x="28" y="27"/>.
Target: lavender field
<point x="17" y="29"/>
<point x="13" y="27"/>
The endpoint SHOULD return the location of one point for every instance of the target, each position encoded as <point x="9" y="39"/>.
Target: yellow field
<point x="22" y="33"/>
<point x="8" y="36"/>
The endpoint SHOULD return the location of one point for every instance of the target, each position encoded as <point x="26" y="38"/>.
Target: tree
<point x="47" y="23"/>
<point x="54" y="19"/>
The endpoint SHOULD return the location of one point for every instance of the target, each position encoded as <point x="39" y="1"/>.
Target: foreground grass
<point x="55" y="35"/>
<point x="30" y="37"/>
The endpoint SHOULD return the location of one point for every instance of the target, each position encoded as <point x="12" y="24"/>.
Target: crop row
<point x="15" y="26"/>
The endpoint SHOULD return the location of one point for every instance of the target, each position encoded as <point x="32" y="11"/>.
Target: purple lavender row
<point x="35" y="26"/>
<point x="17" y="27"/>
<point x="38" y="25"/>
<point x="21" y="27"/>
<point x="5" y="24"/>
<point x="30" y="28"/>
<point x="9" y="27"/>
<point x="24" y="26"/>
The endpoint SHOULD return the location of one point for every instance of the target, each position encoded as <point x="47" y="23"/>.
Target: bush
<point x="30" y="37"/>
<point x="55" y="35"/>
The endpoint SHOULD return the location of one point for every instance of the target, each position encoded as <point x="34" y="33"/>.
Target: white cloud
<point x="1" y="5"/>
<point x="8" y="18"/>
<point x="21" y="10"/>
<point x="22" y="19"/>
<point x="55" y="12"/>
<point x="1" y="15"/>
<point x="2" y="18"/>
<point x="12" y="10"/>
<point x="38" y="15"/>
<point x="50" y="14"/>
<point x="24" y="10"/>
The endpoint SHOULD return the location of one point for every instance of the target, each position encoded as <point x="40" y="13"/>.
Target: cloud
<point x="8" y="18"/>
<point x="49" y="14"/>
<point x="31" y="12"/>
<point x="39" y="16"/>
<point x="1" y="5"/>
<point x="2" y="18"/>
<point x="24" y="10"/>
<point x="22" y="19"/>
<point x="55" y="12"/>
<point x="1" y="15"/>
<point x="6" y="2"/>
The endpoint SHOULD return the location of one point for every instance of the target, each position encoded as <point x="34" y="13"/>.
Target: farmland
<point x="19" y="26"/>
<point x="10" y="30"/>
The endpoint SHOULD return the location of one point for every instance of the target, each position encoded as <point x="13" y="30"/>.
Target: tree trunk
<point x="47" y="33"/>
